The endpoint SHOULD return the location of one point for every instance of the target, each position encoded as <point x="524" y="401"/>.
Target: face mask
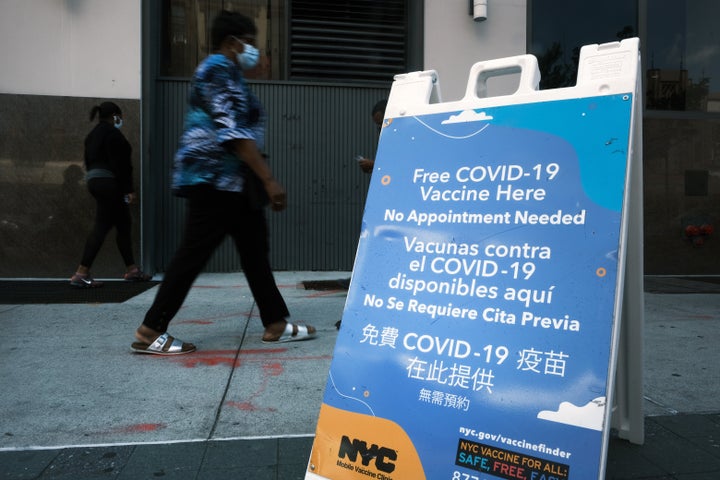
<point x="249" y="57"/>
<point x="117" y="121"/>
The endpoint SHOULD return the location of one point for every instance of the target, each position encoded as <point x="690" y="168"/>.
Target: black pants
<point x="211" y="215"/>
<point x="112" y="211"/>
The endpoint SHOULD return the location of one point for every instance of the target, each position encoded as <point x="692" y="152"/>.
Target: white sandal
<point x="293" y="333"/>
<point x="160" y="347"/>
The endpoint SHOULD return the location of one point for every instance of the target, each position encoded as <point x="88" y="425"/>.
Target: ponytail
<point x="95" y="110"/>
<point x="105" y="110"/>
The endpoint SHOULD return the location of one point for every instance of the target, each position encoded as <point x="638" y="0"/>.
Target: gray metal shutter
<point x="348" y="40"/>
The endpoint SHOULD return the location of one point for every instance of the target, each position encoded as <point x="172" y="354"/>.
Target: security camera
<point x="479" y="11"/>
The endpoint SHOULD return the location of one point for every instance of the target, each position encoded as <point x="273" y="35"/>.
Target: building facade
<point x="325" y="65"/>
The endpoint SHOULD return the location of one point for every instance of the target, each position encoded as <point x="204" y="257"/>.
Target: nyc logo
<point x="383" y="456"/>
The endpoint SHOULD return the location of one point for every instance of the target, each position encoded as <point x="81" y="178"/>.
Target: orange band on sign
<point x="347" y="444"/>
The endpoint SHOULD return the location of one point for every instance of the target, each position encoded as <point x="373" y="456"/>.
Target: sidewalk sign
<point x="481" y="330"/>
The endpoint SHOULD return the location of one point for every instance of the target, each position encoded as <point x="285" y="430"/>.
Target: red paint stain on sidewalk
<point x="142" y="427"/>
<point x="273" y="369"/>
<point x="263" y="351"/>
<point x="244" y="406"/>
<point x="213" y="358"/>
<point x="209" y="358"/>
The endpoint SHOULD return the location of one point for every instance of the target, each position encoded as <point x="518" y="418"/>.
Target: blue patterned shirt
<point x="221" y="108"/>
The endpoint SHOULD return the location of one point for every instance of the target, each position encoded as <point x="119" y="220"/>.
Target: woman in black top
<point x="109" y="180"/>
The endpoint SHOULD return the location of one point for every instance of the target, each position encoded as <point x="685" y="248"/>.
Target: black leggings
<point x="112" y="211"/>
<point x="211" y="215"/>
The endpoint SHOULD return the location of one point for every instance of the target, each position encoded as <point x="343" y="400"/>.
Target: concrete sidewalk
<point x="77" y="404"/>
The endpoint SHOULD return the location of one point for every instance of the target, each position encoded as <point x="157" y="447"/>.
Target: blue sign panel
<point x="477" y="334"/>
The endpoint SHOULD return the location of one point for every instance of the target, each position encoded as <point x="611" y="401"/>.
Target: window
<point x="362" y="41"/>
<point x="681" y="46"/>
<point x="185" y="38"/>
<point x="683" y="55"/>
<point x="558" y="28"/>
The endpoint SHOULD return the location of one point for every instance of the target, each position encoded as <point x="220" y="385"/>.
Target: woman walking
<point x="109" y="180"/>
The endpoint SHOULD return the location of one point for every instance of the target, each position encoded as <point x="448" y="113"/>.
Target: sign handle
<point x="480" y="72"/>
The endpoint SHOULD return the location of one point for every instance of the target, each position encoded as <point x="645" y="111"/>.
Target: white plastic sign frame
<point x="480" y="334"/>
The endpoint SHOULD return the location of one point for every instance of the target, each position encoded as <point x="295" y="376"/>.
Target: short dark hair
<point x="379" y="107"/>
<point x="105" y="110"/>
<point x="228" y="23"/>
